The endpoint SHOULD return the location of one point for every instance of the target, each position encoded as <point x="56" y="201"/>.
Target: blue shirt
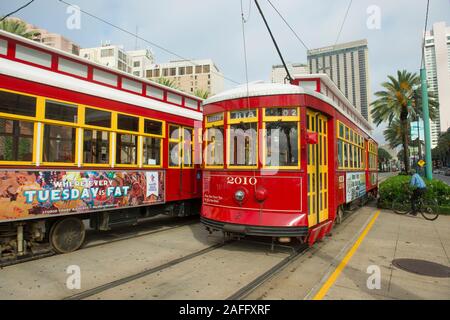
<point x="417" y="181"/>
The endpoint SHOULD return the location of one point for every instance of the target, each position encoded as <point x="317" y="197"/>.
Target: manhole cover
<point x="423" y="267"/>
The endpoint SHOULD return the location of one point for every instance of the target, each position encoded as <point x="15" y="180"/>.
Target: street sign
<point x="421" y="163"/>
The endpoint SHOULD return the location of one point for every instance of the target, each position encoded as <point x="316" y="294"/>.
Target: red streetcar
<point x="82" y="141"/>
<point x="284" y="160"/>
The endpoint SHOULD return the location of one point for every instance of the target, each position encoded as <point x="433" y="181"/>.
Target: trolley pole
<point x="426" y="124"/>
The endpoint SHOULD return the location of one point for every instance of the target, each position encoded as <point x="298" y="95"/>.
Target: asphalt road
<point x="443" y="178"/>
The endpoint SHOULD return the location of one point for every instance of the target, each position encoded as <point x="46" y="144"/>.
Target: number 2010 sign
<point x="242" y="180"/>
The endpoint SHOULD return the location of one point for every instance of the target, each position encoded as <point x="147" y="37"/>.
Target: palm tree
<point x="201" y="93"/>
<point x="17" y="27"/>
<point x="393" y="134"/>
<point x="396" y="102"/>
<point x="166" y="82"/>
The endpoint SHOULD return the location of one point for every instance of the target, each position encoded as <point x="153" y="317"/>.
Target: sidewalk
<point x="392" y="237"/>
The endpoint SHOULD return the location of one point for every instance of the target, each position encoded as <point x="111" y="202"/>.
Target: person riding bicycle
<point x="419" y="190"/>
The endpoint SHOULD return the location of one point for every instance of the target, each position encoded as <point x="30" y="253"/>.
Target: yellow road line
<point x="332" y="279"/>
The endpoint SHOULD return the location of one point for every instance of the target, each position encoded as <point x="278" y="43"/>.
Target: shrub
<point x="394" y="187"/>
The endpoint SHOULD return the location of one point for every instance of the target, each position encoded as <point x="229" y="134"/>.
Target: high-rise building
<point x="437" y="64"/>
<point x="141" y="60"/>
<point x="54" y="40"/>
<point x="189" y="75"/>
<point x="112" y="56"/>
<point x="279" y="73"/>
<point x="347" y="64"/>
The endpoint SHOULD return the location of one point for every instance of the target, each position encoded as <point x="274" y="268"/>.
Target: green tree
<point x="166" y="82"/>
<point x="383" y="158"/>
<point x="201" y="93"/>
<point x="17" y="27"/>
<point x="397" y="101"/>
<point x="442" y="150"/>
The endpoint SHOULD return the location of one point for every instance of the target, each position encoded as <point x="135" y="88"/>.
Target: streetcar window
<point x="59" y="144"/>
<point x="127" y="123"/>
<point x="155" y="92"/>
<point x="72" y="67"/>
<point x="99" y="118"/>
<point x="16" y="140"/>
<point x="126" y="149"/>
<point x="131" y="85"/>
<point x="96" y="147"/>
<point x="191" y="103"/>
<point x="3" y="47"/>
<point x="153" y="127"/>
<point x="174" y="146"/>
<point x="243" y="144"/>
<point x="214" y="146"/>
<point x="34" y="56"/>
<point x="340" y="149"/>
<point x="281" y="144"/>
<point x="17" y="104"/>
<point x="174" y="98"/>
<point x="345" y="155"/>
<point x="174" y="133"/>
<point x="188" y="146"/>
<point x="105" y="77"/>
<point x="61" y="111"/>
<point x="152" y="151"/>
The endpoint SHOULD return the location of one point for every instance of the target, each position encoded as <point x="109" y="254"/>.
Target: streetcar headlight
<point x="239" y="195"/>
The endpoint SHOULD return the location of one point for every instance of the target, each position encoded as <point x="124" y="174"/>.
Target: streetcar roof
<point x="259" y="89"/>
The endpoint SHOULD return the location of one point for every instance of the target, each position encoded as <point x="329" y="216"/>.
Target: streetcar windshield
<point x="243" y="141"/>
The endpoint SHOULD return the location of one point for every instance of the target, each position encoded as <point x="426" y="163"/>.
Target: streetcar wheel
<point x="67" y="235"/>
<point x="401" y="206"/>
<point x="430" y="210"/>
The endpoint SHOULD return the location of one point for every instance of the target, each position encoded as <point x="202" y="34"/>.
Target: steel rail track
<point x="51" y="253"/>
<point x="119" y="282"/>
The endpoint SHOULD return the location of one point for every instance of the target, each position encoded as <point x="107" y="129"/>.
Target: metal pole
<point x="426" y="124"/>
<point x="274" y="41"/>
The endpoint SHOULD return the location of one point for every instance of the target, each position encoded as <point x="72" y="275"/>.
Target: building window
<point x="173" y="72"/>
<point x="96" y="147"/>
<point x="198" y="69"/>
<point x="156" y="73"/>
<point x="126" y="149"/>
<point x="189" y="70"/>
<point x="182" y="71"/>
<point x="105" y="53"/>
<point x="59" y="144"/>
<point x="16" y="140"/>
<point x="149" y="73"/>
<point x="136" y="64"/>
<point x="165" y="72"/>
<point x="13" y="103"/>
<point x="206" y="68"/>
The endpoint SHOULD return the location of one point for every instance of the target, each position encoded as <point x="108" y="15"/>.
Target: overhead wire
<point x="17" y="10"/>
<point x="134" y="35"/>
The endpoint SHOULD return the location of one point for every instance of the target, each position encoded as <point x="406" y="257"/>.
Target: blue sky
<point x="212" y="29"/>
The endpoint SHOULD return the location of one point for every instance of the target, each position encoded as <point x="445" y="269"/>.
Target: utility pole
<point x="426" y="124"/>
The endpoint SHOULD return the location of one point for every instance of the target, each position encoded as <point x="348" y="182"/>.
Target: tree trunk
<point x="405" y="142"/>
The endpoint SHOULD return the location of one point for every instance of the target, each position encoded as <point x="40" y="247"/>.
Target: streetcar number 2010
<point x="242" y="180"/>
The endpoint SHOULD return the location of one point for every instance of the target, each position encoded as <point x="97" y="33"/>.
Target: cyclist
<point x="419" y="190"/>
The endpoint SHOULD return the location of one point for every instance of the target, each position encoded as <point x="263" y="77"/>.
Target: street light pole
<point x="426" y="124"/>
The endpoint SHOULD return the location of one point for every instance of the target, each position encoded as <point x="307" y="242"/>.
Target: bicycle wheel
<point x="401" y="206"/>
<point x="430" y="210"/>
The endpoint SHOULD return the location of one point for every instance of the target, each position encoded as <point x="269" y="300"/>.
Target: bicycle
<point x="428" y="208"/>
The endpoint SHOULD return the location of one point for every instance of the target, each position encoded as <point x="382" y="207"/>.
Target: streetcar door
<point x="317" y="169"/>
